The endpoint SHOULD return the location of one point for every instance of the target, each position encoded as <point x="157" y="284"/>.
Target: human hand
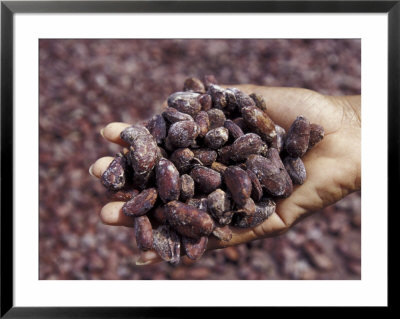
<point x="333" y="165"/>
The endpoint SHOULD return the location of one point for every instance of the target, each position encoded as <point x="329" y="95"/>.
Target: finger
<point x="284" y="104"/>
<point x="112" y="132"/>
<point x="111" y="214"/>
<point x="99" y="167"/>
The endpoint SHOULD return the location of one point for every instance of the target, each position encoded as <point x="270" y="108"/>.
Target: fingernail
<point x="102" y="132"/>
<point x="142" y="263"/>
<point x="91" y="170"/>
<point x="146" y="257"/>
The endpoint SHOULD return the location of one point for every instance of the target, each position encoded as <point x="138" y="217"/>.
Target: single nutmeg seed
<point x="183" y="133"/>
<point x="216" y="118"/>
<point x="206" y="179"/>
<point x="140" y="204"/>
<point x="278" y="141"/>
<point x="208" y="80"/>
<point x="269" y="175"/>
<point x="243" y="100"/>
<point x="188" y="220"/>
<point x="316" y="135"/>
<point x="114" y="177"/>
<point x="298" y="137"/>
<point x="203" y="122"/>
<point x="172" y="115"/>
<point x="217" y="95"/>
<point x="247" y="145"/>
<point x="205" y="102"/>
<point x="185" y="102"/>
<point x="132" y="132"/>
<point x="206" y="156"/>
<point x="168" y="181"/>
<point x="259" y="122"/>
<point x="216" y="138"/>
<point x="296" y="169"/>
<point x="143" y="232"/>
<point x="182" y="159"/>
<point x="143" y="154"/>
<point x="234" y="130"/>
<point x="238" y="183"/>
<point x="194" y="85"/>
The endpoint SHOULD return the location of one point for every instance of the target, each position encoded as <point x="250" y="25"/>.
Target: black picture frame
<point x="9" y="8"/>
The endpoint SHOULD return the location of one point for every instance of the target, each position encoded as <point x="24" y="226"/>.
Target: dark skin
<point x="333" y="165"/>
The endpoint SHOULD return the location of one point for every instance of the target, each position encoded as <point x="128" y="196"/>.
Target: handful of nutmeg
<point x="213" y="158"/>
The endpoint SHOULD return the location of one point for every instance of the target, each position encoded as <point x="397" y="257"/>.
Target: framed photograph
<point x="158" y="156"/>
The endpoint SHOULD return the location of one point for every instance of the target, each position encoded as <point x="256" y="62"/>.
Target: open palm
<point x="333" y="165"/>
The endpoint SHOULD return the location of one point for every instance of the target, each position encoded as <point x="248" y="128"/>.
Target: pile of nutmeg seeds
<point x="211" y="160"/>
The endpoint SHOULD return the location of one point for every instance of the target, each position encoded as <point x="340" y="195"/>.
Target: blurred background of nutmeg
<point x="85" y="84"/>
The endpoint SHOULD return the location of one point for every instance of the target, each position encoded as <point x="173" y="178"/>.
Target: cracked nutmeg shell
<point x="194" y="248"/>
<point x="218" y="205"/>
<point x="187" y="187"/>
<point x="263" y="210"/>
<point x="167" y="243"/>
